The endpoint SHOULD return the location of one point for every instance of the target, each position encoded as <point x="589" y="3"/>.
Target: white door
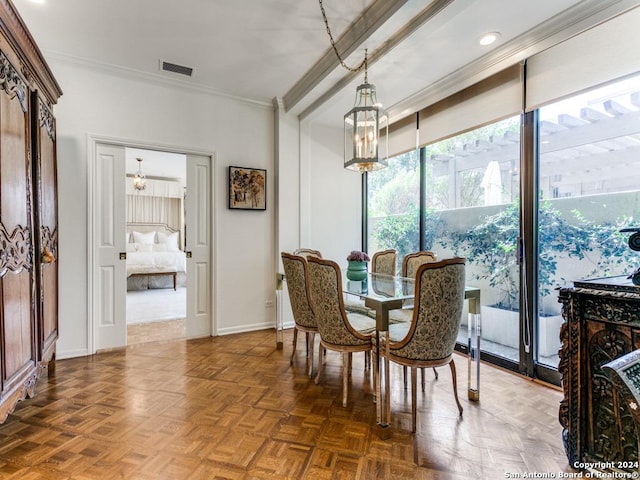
<point x="109" y="276"/>
<point x="198" y="246"/>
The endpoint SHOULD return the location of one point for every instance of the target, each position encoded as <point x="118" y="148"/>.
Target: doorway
<point x="155" y="187"/>
<point x="188" y="233"/>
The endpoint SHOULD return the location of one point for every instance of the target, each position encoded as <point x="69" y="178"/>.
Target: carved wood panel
<point x="600" y="325"/>
<point x="16" y="232"/>
<point x="46" y="215"/>
<point x="611" y="435"/>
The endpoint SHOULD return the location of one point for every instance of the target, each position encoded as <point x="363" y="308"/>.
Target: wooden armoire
<point x="28" y="213"/>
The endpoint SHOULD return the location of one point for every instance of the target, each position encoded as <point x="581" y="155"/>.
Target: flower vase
<point x="357" y="270"/>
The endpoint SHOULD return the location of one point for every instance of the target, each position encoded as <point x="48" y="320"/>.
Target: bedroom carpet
<point x="154" y="305"/>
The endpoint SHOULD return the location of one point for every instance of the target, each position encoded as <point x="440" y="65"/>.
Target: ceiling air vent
<point x="172" y="67"/>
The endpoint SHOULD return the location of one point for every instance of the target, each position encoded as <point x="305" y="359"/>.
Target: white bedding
<point x="142" y="261"/>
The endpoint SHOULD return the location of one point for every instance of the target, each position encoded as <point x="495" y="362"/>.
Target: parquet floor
<point x="233" y="408"/>
<point x="156" y="331"/>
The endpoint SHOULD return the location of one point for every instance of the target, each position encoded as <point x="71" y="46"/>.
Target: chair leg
<point x="414" y="397"/>
<point x="346" y="367"/>
<point x="295" y="341"/>
<point x="307" y="338"/>
<point x="404" y="376"/>
<point x="435" y="372"/>
<point x="455" y="384"/>
<point x="422" y="375"/>
<point x="311" y="337"/>
<point x="321" y="353"/>
<point x="374" y="361"/>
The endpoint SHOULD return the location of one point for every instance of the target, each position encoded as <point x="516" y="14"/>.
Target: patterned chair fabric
<point x="325" y="285"/>
<point x="296" y="276"/>
<point x="384" y="262"/>
<point x="437" y="313"/>
<point x="429" y="340"/>
<point x="307" y="252"/>
<point x="337" y="331"/>
<point x="412" y="261"/>
<point x="295" y="270"/>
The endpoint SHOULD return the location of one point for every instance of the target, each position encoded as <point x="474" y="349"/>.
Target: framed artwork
<point x="247" y="188"/>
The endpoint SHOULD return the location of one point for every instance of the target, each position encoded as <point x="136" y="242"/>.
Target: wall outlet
<point x="268" y="304"/>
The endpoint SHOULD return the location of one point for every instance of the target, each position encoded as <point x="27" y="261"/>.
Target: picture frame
<point x="247" y="188"/>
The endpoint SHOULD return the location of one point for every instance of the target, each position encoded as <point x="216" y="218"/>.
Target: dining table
<point x="383" y="293"/>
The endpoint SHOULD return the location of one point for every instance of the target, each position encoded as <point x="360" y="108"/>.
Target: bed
<point x="154" y="257"/>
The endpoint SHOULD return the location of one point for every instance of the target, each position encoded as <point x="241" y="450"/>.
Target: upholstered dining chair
<point x="410" y="264"/>
<point x="338" y="331"/>
<point x="307" y="252"/>
<point x="384" y="262"/>
<point x="429" y="340"/>
<point x="295" y="271"/>
<point x="412" y="261"/>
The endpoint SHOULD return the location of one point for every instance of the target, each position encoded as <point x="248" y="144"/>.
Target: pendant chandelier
<point x="139" y="180"/>
<point x="366" y="124"/>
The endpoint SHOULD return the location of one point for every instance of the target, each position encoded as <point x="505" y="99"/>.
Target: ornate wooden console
<point x="28" y="213"/>
<point x="602" y="323"/>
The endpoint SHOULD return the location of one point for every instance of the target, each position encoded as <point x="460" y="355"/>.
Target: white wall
<point x="239" y="133"/>
<point x="334" y="204"/>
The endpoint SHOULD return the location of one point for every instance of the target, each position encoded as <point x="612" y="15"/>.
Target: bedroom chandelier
<point x="139" y="180"/>
<point x="366" y="124"/>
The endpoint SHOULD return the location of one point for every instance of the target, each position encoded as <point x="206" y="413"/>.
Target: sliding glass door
<point x="469" y="206"/>
<point x="589" y="189"/>
<point x="472" y="209"/>
<point x="393" y="205"/>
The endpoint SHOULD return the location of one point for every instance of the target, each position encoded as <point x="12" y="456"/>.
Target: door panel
<point x="110" y="288"/>
<point x="17" y="319"/>
<point x="46" y="226"/>
<point x="198" y="242"/>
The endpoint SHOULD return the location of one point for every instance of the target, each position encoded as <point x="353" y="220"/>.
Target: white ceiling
<point x="259" y="50"/>
<point x="155" y="164"/>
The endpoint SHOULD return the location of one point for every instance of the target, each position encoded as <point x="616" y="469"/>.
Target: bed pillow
<point x="170" y="240"/>
<point x="144" y="247"/>
<point x="127" y="238"/>
<point x="148" y="238"/>
<point x="132" y="247"/>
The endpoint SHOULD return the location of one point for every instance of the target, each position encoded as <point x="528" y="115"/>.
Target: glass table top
<point x="380" y="287"/>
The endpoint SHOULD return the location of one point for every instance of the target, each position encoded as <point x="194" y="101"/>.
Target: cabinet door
<point x="46" y="226"/>
<point x="17" y="316"/>
<point x="611" y="435"/>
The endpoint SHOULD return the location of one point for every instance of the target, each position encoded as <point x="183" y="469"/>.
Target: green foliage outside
<point x="402" y="231"/>
<point x="394" y="201"/>
<point x="492" y="245"/>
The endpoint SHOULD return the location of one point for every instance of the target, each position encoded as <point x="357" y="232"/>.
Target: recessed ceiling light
<point x="40" y="2"/>
<point x="489" y="38"/>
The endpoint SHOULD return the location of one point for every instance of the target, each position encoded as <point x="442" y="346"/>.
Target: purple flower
<point x="356" y="256"/>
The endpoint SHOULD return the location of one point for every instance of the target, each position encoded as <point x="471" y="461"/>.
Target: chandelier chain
<point x="335" y="49"/>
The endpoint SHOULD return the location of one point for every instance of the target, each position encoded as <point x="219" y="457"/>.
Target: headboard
<point x="155" y="227"/>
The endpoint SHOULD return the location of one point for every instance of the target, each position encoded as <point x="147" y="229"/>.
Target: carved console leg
<point x="568" y="369"/>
